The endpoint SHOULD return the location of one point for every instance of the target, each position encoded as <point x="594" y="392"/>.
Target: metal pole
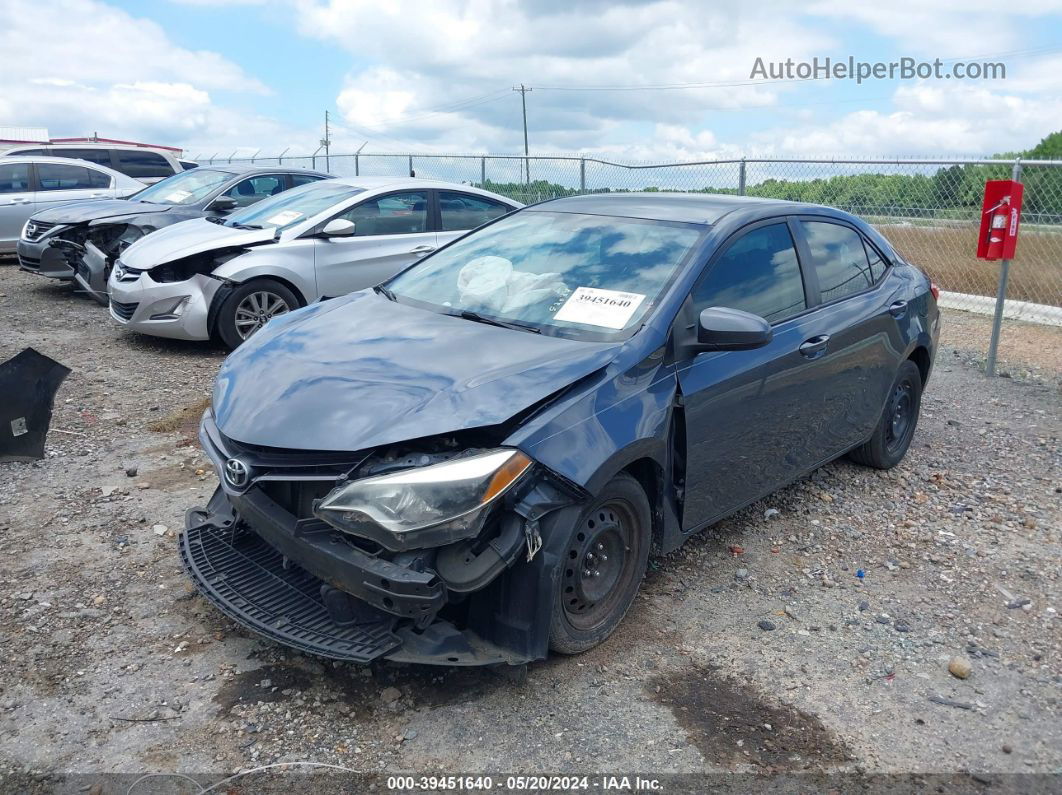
<point x="741" y="177"/>
<point x="411" y="165"/>
<point x="582" y="175"/>
<point x="483" y="173"/>
<point x="523" y="104"/>
<point x="1001" y="296"/>
<point x="357" y="165"/>
<point x="327" y="145"/>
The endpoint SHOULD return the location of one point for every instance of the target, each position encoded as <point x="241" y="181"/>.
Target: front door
<point x="390" y="233"/>
<point x="749" y="413"/>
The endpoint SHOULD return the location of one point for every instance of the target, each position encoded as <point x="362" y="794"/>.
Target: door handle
<point x="422" y="250"/>
<point x="898" y="308"/>
<point x="814" y="347"/>
<point x="97" y="194"/>
<point x="20" y="200"/>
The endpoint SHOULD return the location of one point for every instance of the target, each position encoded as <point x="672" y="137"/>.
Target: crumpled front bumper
<point x="254" y="562"/>
<point x="176" y="310"/>
<point x="43" y="259"/>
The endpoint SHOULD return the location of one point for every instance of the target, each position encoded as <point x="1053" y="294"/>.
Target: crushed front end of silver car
<point x="428" y="551"/>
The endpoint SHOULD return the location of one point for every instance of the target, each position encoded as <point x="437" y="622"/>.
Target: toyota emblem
<point x="237" y="473"/>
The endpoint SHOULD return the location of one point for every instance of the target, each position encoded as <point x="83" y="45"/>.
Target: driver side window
<point x="254" y="189"/>
<point x="394" y="214"/>
<point x="758" y="273"/>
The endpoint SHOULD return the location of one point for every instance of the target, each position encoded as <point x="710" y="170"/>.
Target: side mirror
<point x="338" y="227"/>
<point x="223" y="204"/>
<point x="722" y="329"/>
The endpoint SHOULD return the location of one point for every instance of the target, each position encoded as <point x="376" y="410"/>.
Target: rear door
<point x="66" y="182"/>
<point x="460" y="212"/>
<point x="390" y="232"/>
<point x="17" y="202"/>
<point x="857" y="322"/>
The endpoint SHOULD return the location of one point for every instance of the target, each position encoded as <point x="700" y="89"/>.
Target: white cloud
<point x="80" y="66"/>
<point x="452" y="50"/>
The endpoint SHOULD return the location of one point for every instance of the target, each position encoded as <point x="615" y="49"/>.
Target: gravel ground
<point x="756" y="647"/>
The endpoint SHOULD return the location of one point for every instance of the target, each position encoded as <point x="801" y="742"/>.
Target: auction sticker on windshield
<point x="178" y="196"/>
<point x="284" y="218"/>
<point x="596" y="307"/>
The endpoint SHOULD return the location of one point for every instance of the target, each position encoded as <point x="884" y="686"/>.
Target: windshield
<point x="187" y="187"/>
<point x="583" y="276"/>
<point x="293" y="206"/>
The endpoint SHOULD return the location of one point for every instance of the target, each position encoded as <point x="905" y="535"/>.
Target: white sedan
<point x="226" y="278"/>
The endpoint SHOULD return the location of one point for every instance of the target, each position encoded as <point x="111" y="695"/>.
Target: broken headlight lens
<point x="424" y="506"/>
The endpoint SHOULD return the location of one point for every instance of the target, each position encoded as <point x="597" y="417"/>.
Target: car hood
<point x="362" y="371"/>
<point x="188" y="238"/>
<point x="78" y="212"/>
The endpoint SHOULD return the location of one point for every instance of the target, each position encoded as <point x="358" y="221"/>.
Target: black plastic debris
<point x="28" y="383"/>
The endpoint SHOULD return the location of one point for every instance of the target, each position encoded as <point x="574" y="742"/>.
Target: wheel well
<point x="651" y="477"/>
<point x="295" y="290"/>
<point x="222" y="295"/>
<point x="920" y="356"/>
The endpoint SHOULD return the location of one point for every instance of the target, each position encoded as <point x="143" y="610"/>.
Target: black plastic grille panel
<point x="247" y="580"/>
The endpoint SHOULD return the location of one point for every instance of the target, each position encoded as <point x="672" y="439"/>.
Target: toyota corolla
<point x="471" y="463"/>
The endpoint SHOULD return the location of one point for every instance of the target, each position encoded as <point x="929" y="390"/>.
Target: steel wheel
<point x="900" y="417"/>
<point x="599" y="565"/>
<point x="256" y="309"/>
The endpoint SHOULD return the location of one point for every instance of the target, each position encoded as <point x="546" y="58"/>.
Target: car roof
<point x="381" y="183"/>
<point x="64" y="161"/>
<point x="256" y="168"/>
<point x="692" y="208"/>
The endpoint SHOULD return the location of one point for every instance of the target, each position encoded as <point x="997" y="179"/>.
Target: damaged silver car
<point x="80" y="241"/>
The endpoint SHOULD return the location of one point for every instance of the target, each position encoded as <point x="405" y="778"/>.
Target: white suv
<point x="146" y="164"/>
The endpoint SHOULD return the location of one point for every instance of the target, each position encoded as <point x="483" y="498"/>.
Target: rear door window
<point x="758" y="273"/>
<point x="462" y="211"/>
<point x="303" y="179"/>
<point x="141" y="164"/>
<point x="55" y="176"/>
<point x="840" y="260"/>
<point x="101" y="157"/>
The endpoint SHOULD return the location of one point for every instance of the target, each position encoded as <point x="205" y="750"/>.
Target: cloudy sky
<point x="660" y="79"/>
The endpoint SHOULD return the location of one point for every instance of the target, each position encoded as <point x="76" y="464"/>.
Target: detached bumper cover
<point x="248" y="580"/>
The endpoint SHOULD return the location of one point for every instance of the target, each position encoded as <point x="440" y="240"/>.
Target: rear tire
<point x="603" y="565"/>
<point x="249" y="307"/>
<point x="888" y="444"/>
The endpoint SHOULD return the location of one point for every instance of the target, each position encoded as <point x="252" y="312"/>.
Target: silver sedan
<point x="214" y="278"/>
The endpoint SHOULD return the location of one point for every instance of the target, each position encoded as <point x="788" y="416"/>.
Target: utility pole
<point x="523" y="102"/>
<point x="326" y="142"/>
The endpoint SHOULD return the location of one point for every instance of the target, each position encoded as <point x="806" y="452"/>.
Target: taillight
<point x="935" y="290"/>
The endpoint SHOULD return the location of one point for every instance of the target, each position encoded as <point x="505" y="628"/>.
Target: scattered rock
<point x="389" y="695"/>
<point x="959" y="667"/>
<point x="130" y="472"/>
<point x="766" y="626"/>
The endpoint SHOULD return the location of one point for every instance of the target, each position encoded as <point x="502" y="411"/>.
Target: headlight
<point x="425" y="506"/>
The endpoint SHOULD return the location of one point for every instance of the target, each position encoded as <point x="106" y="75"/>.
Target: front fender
<point x="271" y="262"/>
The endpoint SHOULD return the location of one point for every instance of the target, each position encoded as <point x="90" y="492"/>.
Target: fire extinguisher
<point x="997" y="230"/>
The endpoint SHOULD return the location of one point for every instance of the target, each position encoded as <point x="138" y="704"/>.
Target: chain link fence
<point x="928" y="209"/>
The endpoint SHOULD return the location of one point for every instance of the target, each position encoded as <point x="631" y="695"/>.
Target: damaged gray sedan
<point x="80" y="241"/>
<point x="470" y="464"/>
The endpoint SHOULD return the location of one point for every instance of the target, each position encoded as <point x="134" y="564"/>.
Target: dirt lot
<point x="757" y="647"/>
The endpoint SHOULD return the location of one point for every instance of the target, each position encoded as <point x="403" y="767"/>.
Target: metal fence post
<point x="411" y="165"/>
<point x="741" y="178"/>
<point x="483" y="173"/>
<point x="1001" y="296"/>
<point x="582" y="175"/>
<point x="357" y="166"/>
